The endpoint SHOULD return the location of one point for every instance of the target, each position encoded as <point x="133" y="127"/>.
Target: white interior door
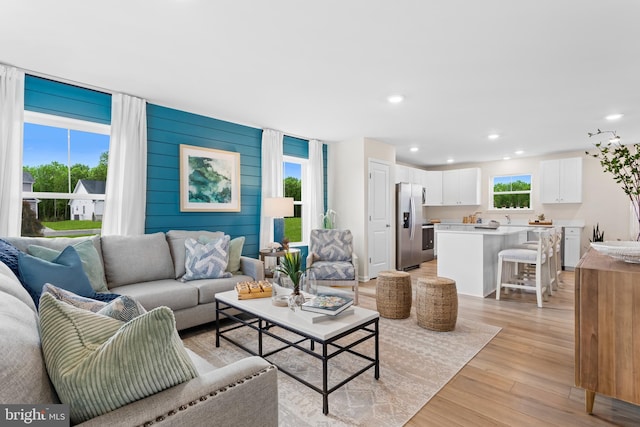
<point x="379" y="230"/>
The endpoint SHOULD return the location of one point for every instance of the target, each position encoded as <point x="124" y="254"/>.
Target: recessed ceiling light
<point x="614" y="116"/>
<point x="395" y="99"/>
<point x="494" y="136"/>
<point x="506" y="158"/>
<point x="519" y="152"/>
<point x="413" y="149"/>
<point x="449" y="160"/>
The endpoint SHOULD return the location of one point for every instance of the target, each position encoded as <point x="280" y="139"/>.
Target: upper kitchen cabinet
<point x="461" y="187"/>
<point x="433" y="188"/>
<point x="402" y="174"/>
<point x="561" y="180"/>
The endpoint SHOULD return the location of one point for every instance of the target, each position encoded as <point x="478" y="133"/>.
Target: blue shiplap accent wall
<point x="166" y="130"/>
<point x="51" y="97"/>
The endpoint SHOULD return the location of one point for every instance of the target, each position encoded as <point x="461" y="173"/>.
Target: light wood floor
<point x="525" y="375"/>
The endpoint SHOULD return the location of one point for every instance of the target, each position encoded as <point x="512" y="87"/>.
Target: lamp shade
<point x="278" y="207"/>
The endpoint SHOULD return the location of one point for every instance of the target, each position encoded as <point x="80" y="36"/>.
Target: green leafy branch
<point x="623" y="162"/>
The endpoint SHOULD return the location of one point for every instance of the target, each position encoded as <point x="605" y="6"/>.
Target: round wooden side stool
<point x="393" y="294"/>
<point x="437" y="303"/>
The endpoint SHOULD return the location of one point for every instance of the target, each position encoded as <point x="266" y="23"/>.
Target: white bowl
<point x="628" y="251"/>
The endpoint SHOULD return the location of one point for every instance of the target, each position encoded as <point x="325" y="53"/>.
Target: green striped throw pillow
<point x="98" y="364"/>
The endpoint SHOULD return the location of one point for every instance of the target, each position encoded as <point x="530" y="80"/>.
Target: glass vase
<point x="296" y="299"/>
<point x="310" y="285"/>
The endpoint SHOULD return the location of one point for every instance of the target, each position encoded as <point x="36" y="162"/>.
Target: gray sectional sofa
<point x="241" y="393"/>
<point x="148" y="268"/>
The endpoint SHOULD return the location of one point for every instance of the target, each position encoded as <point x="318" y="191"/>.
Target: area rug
<point x="414" y="365"/>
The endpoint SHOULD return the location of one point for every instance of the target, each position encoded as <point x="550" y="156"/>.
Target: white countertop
<point x="471" y="229"/>
<point x="519" y="223"/>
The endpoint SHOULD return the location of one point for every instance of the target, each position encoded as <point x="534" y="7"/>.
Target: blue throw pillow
<point x="65" y="272"/>
<point x="9" y="255"/>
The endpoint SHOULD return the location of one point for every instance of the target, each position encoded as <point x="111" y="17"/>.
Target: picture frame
<point x="209" y="180"/>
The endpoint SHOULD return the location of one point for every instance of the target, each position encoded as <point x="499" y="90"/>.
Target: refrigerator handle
<point x="412" y="209"/>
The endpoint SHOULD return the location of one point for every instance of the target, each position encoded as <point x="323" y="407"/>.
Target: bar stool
<point x="509" y="261"/>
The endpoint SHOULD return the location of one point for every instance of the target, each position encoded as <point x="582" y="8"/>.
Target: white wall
<point x="603" y="201"/>
<point x="347" y="191"/>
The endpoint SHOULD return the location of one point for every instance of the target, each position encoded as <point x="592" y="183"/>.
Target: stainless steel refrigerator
<point x="409" y="225"/>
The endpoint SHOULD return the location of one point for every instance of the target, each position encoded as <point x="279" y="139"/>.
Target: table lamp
<point x="278" y="208"/>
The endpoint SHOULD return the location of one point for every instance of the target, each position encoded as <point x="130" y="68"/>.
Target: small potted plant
<point x="291" y="267"/>
<point x="598" y="236"/>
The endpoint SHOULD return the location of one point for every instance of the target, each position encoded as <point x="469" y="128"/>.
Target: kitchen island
<point x="469" y="255"/>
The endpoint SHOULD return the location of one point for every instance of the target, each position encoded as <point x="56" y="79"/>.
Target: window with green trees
<point x="293" y="168"/>
<point x="511" y="192"/>
<point x="58" y="153"/>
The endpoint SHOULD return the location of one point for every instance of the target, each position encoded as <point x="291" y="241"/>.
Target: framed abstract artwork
<point x="209" y="180"/>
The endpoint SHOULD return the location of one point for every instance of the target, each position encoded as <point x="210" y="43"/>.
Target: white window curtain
<point x="11" y="126"/>
<point x="314" y="189"/>
<point x="126" y="188"/>
<point x="271" y="178"/>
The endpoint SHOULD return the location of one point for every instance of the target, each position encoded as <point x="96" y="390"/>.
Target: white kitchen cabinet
<point x="402" y="174"/>
<point x="572" y="246"/>
<point x="561" y="180"/>
<point x="433" y="186"/>
<point x="461" y="187"/>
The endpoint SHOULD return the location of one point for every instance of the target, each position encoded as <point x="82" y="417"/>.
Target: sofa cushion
<point x="206" y="260"/>
<point x="98" y="364"/>
<point x="176" y="240"/>
<point x="58" y="243"/>
<point x="134" y="259"/>
<point x="168" y="292"/>
<point x="91" y="262"/>
<point x="208" y="288"/>
<point x="23" y="376"/>
<point x="65" y="271"/>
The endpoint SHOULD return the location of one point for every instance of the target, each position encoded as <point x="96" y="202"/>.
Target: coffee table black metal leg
<point x="377" y="356"/>
<point x="260" y="336"/>
<point x="325" y="380"/>
<point x="217" y="323"/>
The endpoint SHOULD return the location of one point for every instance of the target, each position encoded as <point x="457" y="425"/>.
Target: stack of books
<point x="330" y="304"/>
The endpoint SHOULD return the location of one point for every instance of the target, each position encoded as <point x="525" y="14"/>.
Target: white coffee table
<point x="264" y="316"/>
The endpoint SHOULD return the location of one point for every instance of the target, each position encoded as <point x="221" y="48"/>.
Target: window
<point x="511" y="192"/>
<point x="294" y="169"/>
<point x="64" y="168"/>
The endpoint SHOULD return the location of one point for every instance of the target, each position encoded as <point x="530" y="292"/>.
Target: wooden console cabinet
<point x="607" y="305"/>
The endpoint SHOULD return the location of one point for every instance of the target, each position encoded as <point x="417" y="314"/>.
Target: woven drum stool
<point x="393" y="294"/>
<point x="437" y="303"/>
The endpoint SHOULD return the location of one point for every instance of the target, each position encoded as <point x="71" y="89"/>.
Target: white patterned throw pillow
<point x="206" y="260"/>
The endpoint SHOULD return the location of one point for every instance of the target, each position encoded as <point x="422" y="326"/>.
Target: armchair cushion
<point x="331" y="245"/>
<point x="330" y="270"/>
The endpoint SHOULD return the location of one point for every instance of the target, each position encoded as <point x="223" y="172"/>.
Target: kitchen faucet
<point x="508" y="219"/>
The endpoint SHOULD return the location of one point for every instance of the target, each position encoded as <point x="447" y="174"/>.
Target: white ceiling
<point x="542" y="73"/>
